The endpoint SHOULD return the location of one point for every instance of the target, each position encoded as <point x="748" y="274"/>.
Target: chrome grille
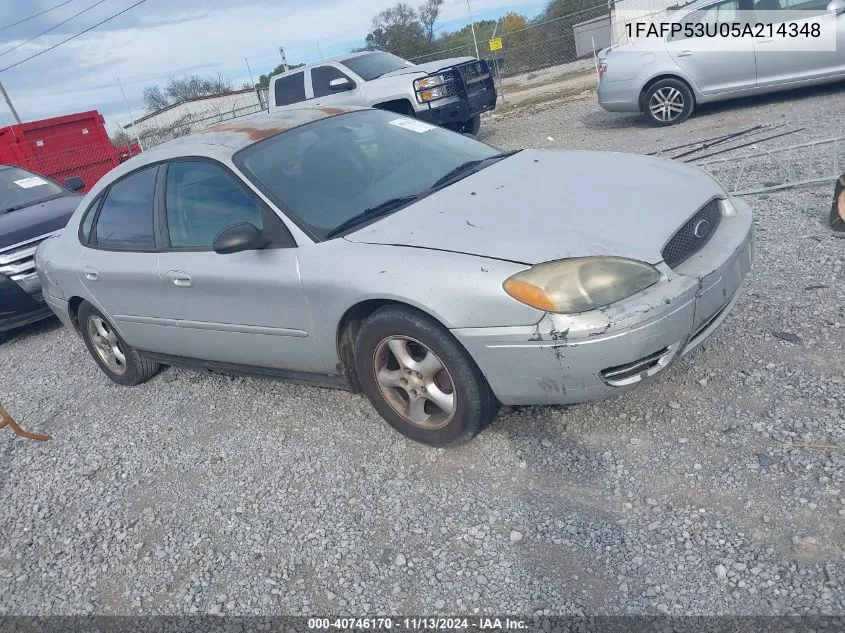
<point x="18" y="263"/>
<point x="693" y="235"/>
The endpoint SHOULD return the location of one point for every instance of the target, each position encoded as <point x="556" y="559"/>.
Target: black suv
<point x="32" y="208"/>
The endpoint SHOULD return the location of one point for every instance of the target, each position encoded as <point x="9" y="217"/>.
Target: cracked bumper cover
<point x="564" y="359"/>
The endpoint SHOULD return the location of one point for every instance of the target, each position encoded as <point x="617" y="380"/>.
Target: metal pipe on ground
<point x="837" y="211"/>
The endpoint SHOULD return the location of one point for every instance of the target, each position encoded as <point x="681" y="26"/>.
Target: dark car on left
<point x="32" y="208"/>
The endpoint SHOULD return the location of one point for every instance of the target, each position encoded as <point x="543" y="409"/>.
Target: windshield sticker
<point x="28" y="183"/>
<point x="412" y="124"/>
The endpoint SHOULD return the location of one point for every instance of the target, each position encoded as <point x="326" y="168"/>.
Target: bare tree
<point x="429" y="12"/>
<point x="155" y="98"/>
<point x="181" y="89"/>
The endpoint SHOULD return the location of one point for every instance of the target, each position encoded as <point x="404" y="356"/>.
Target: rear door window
<point x="125" y="220"/>
<point x="322" y="76"/>
<point x="290" y="89"/>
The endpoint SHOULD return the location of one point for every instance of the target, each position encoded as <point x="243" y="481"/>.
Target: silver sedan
<point x="369" y="251"/>
<point x="665" y="78"/>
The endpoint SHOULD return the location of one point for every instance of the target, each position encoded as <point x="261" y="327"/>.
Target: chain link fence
<point x="538" y="46"/>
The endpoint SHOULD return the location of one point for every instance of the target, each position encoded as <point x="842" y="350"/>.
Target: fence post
<point x="498" y="75"/>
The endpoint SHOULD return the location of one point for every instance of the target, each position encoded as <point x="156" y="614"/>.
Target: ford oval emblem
<point x="702" y="229"/>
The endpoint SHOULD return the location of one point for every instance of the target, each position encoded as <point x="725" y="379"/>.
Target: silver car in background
<point x="361" y="249"/>
<point x="666" y="79"/>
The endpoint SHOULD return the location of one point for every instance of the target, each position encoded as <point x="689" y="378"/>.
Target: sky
<point x="160" y="39"/>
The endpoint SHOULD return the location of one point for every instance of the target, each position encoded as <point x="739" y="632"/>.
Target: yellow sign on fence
<point x="496" y="44"/>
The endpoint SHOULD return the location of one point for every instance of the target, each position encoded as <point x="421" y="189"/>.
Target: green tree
<point x="398" y="30"/>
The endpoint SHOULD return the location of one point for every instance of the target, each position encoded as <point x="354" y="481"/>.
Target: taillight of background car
<point x="602" y="70"/>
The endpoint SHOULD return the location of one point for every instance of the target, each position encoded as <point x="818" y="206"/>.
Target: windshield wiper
<point x="464" y="169"/>
<point x="385" y="208"/>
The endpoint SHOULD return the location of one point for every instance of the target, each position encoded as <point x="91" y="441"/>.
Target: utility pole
<point x="9" y="103"/>
<point x="249" y="70"/>
<point x="284" y="59"/>
<point x="472" y="25"/>
<point x="320" y="50"/>
<point x="131" y="116"/>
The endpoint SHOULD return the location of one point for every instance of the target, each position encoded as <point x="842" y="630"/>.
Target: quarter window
<point x="125" y="220"/>
<point x="88" y="220"/>
<point x="322" y="76"/>
<point x="201" y="200"/>
<point x="290" y="89"/>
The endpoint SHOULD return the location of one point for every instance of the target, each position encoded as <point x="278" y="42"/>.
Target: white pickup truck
<point x="450" y="92"/>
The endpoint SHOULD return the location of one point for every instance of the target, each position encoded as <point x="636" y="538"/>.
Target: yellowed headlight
<point x="577" y="285"/>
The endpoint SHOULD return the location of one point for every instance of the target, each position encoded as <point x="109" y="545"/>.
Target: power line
<point x="8" y="26"/>
<point x="52" y="28"/>
<point x="72" y="37"/>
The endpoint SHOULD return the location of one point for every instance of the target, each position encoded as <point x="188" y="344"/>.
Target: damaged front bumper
<point x="566" y="359"/>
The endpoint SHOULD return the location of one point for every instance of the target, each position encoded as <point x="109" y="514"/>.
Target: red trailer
<point x="61" y="147"/>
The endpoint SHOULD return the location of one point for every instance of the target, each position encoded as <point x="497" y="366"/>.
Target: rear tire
<point x="668" y="102"/>
<point x="120" y="362"/>
<point x="420" y="380"/>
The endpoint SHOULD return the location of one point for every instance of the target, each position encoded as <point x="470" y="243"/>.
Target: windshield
<point x="326" y="172"/>
<point x="20" y="188"/>
<point x="374" y="65"/>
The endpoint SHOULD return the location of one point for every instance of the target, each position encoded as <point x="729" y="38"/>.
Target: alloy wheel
<point x="666" y="104"/>
<point x="106" y="344"/>
<point x="414" y="382"/>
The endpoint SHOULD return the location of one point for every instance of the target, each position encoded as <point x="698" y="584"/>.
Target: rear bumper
<point x="566" y="359"/>
<point x="619" y="96"/>
<point x="60" y="308"/>
<point x="17" y="308"/>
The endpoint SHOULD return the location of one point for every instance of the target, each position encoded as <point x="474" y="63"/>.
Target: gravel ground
<point x="719" y="488"/>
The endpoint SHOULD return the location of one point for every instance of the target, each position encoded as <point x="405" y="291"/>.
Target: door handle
<point x="684" y="53"/>
<point x="91" y="274"/>
<point x="180" y="278"/>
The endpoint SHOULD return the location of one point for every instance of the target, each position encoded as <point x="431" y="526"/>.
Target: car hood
<point x="542" y="205"/>
<point x="430" y="67"/>
<point x="40" y="219"/>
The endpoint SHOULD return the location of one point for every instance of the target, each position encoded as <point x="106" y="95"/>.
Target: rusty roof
<point x="247" y="130"/>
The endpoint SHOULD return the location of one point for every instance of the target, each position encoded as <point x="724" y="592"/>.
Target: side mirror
<point x="837" y="6"/>
<point x="341" y="83"/>
<point x="237" y="238"/>
<point x="74" y="183"/>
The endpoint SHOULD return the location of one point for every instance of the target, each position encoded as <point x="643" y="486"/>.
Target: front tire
<point x="420" y="380"/>
<point x="471" y="126"/>
<point x="120" y="362"/>
<point x="668" y="102"/>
